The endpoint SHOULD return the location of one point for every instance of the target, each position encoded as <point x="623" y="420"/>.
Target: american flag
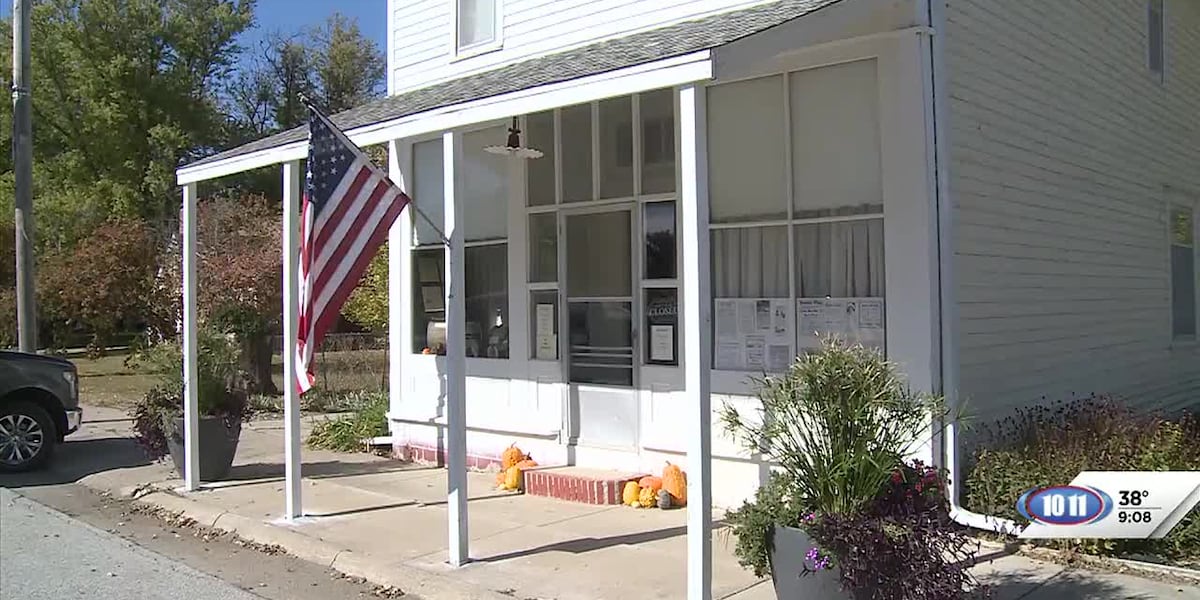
<point x="349" y="205"/>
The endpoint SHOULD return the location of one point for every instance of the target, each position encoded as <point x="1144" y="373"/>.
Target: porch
<point x="698" y="213"/>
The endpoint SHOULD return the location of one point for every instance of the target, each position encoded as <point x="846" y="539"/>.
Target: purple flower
<point x="810" y="517"/>
<point x="821" y="564"/>
<point x="812" y="554"/>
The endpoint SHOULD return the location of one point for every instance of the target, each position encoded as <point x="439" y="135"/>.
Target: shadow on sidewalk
<point x="1066" y="585"/>
<point x="266" y="472"/>
<point x="76" y="459"/>
<point x="582" y="545"/>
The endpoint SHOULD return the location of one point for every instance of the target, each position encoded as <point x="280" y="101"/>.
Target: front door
<point x="601" y="339"/>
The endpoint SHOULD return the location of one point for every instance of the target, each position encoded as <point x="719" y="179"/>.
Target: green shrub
<point x="1050" y="445"/>
<point x="346" y="433"/>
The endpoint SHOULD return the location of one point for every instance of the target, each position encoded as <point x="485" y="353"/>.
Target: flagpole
<point x="304" y="98"/>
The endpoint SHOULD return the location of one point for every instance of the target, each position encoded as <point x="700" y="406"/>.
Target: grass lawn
<point x="107" y="382"/>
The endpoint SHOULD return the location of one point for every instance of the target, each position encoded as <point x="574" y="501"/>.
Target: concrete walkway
<point x="386" y="521"/>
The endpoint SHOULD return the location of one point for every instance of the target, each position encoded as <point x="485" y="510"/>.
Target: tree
<point x="102" y="285"/>
<point x="240" y="278"/>
<point x="333" y="64"/>
<point x="367" y="305"/>
<point x="123" y="92"/>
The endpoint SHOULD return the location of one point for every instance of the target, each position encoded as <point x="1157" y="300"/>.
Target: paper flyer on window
<point x="856" y="320"/>
<point x="753" y="334"/>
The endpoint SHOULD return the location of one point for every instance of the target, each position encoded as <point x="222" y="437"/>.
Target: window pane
<point x="840" y="260"/>
<point x="540" y="136"/>
<point x="429" y="303"/>
<point x="544" y="325"/>
<point x="658" y="141"/>
<point x="577" y="153"/>
<point x="659" y="222"/>
<point x="543" y="247"/>
<point x="616" y="147"/>
<point x="662" y="326"/>
<point x="601" y="342"/>
<point x="485" y="186"/>
<point x="747" y="174"/>
<point x="1183" y="291"/>
<point x="486" y="270"/>
<point x="486" y="300"/>
<point x="598" y="255"/>
<point x="1182" y="230"/>
<point x="750" y="262"/>
<point x="835" y="140"/>
<point x="428" y="188"/>
<point x="476" y="22"/>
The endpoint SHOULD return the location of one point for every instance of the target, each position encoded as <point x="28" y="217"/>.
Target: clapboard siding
<point x="422" y="35"/>
<point x="1061" y="144"/>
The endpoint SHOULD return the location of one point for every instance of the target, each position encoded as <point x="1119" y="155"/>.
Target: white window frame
<point x="1159" y="7"/>
<point x="459" y="52"/>
<point x="1175" y="204"/>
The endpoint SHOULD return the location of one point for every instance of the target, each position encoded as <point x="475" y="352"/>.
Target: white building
<point x="1003" y="196"/>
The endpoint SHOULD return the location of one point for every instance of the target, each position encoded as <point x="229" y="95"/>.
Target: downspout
<point x="947" y="301"/>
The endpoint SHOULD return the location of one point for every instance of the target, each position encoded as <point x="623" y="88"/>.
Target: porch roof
<point x="609" y="55"/>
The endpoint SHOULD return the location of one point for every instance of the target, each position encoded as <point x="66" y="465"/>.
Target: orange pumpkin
<point x="674" y="480"/>
<point x="652" y="482"/>
<point x="512" y="478"/>
<point x="511" y="456"/>
<point x="528" y="463"/>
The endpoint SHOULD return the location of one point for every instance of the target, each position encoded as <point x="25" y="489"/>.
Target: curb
<point x="1124" y="566"/>
<point x="412" y="580"/>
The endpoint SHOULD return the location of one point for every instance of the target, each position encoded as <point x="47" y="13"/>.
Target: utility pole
<point x="23" y="172"/>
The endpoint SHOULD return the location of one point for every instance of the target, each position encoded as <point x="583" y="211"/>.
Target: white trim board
<point x="688" y="68"/>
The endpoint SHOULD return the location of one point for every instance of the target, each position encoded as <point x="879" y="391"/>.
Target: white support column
<point x="400" y="237"/>
<point x="291" y="396"/>
<point x="697" y="323"/>
<point x="456" y="354"/>
<point x="191" y="406"/>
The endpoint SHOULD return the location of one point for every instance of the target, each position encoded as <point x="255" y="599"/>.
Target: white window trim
<point x="1184" y="340"/>
<point x="458" y="52"/>
<point x="1159" y="76"/>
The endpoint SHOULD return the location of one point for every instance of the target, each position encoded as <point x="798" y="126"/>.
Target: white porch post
<point x="697" y="323"/>
<point x="400" y="333"/>
<point x="291" y="398"/>
<point x="191" y="406"/>
<point x="456" y="355"/>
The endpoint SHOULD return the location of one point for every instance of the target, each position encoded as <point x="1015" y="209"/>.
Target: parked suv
<point x="39" y="406"/>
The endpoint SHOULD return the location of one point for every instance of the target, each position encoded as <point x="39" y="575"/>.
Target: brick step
<point x="578" y="484"/>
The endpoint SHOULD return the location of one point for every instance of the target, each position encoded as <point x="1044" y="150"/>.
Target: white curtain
<point x="840" y="260"/>
<point x="750" y="262"/>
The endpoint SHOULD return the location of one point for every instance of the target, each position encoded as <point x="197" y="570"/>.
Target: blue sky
<point x="292" y="15"/>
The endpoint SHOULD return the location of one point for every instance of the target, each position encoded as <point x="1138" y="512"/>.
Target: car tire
<point x="27" y="437"/>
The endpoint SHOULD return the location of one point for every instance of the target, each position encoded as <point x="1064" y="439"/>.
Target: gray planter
<point x="218" y="445"/>
<point x="787" y="563"/>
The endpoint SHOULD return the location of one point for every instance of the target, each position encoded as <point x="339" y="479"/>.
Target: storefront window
<point x="659" y="222"/>
<point x="616" y="147"/>
<point x="543" y="305"/>
<point x="543" y="247"/>
<point x="662" y="326"/>
<point x="576" y="123"/>
<point x="658" y="141"/>
<point x="540" y="185"/>
<point x="747" y="169"/>
<point x="486" y="300"/>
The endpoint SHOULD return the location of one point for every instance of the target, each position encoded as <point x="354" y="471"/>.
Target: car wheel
<point x="26" y="437"/>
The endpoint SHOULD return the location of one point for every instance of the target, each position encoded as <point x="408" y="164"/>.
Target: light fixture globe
<point x="513" y="147"/>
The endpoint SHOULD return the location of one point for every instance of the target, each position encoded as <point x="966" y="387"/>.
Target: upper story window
<point x="1155" y="37"/>
<point x="478" y="24"/>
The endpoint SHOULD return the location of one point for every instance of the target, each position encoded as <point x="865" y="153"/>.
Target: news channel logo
<point x="1110" y="504"/>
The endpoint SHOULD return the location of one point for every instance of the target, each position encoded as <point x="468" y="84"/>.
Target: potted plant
<point x="222" y="399"/>
<point x="844" y="514"/>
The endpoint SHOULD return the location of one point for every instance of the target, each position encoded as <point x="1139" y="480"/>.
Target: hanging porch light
<point x="513" y="147"/>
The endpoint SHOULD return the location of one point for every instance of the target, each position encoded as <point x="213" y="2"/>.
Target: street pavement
<point x="46" y="554"/>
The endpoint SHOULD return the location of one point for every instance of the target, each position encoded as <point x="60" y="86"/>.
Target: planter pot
<point x="218" y="445"/>
<point x="789" y="546"/>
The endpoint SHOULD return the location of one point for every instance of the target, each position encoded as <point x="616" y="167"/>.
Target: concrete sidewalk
<point x="386" y="521"/>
